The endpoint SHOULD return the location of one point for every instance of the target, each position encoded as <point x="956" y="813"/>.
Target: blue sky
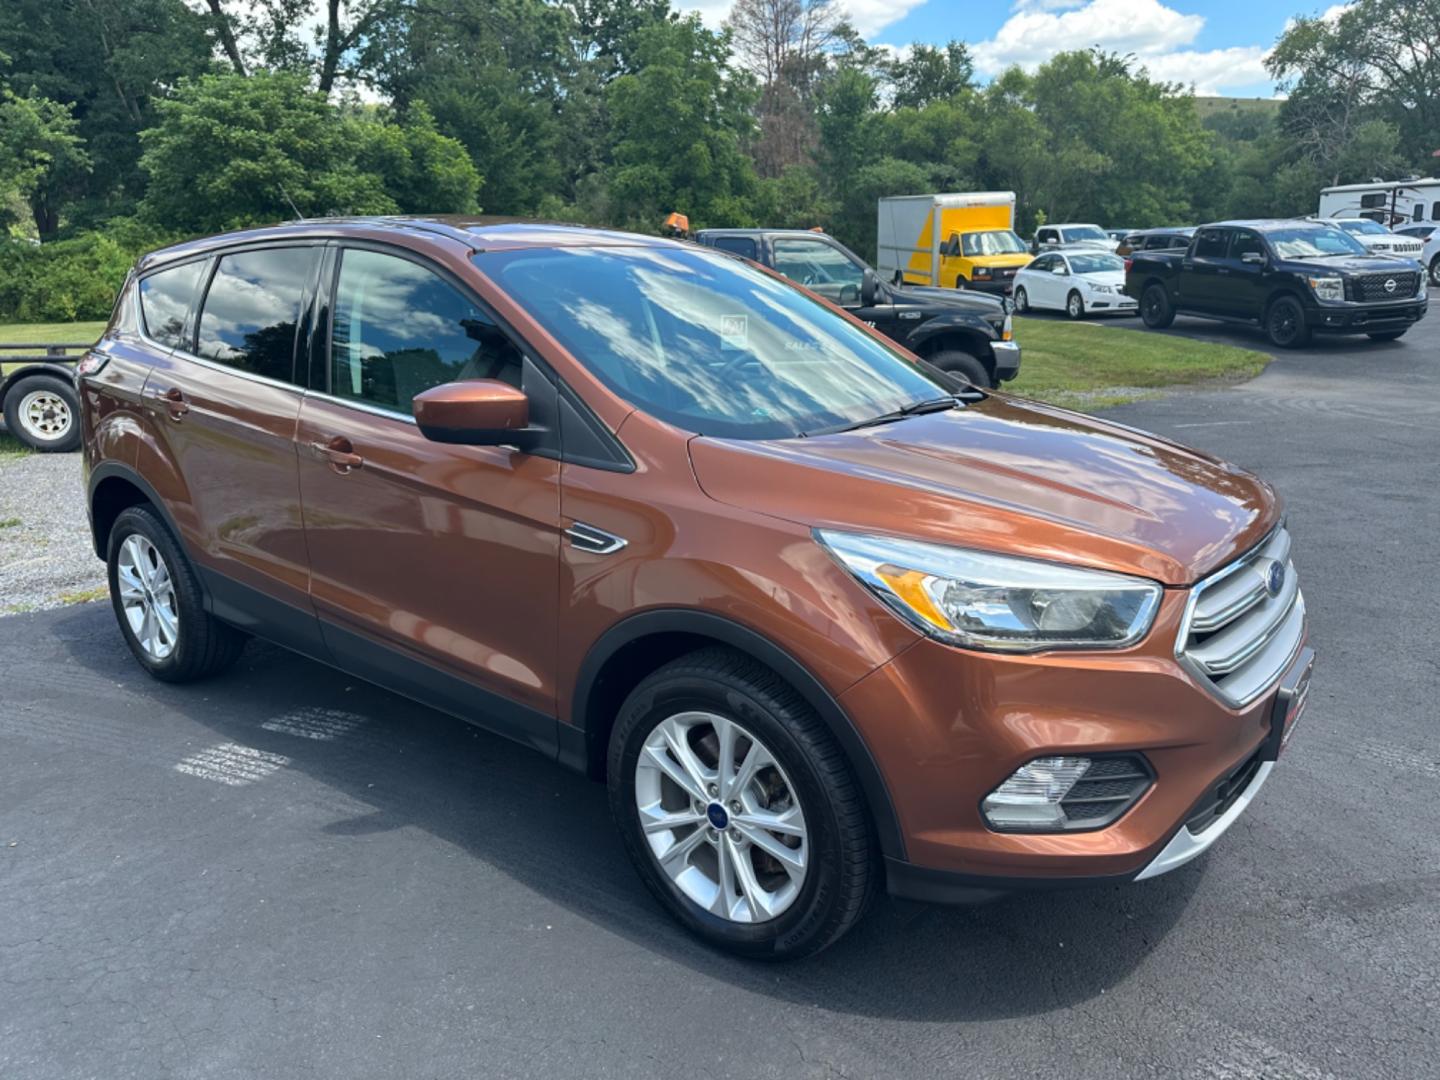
<point x="1218" y="46"/>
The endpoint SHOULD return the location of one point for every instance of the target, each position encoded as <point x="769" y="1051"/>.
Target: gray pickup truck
<point x="963" y="332"/>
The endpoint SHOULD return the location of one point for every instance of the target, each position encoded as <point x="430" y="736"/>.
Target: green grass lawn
<point x="1091" y="366"/>
<point x="50" y="333"/>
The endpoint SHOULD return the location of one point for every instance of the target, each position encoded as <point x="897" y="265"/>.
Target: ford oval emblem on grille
<point x="1390" y="284"/>
<point x="1275" y="578"/>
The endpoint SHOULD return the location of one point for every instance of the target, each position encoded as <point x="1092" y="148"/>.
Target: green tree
<point x="678" y="122"/>
<point x="929" y="74"/>
<point x="40" y="152"/>
<point x="229" y="151"/>
<point x="109" y="62"/>
<point x="1374" y="60"/>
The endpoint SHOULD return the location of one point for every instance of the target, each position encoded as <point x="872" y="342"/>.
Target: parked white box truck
<point x="962" y="240"/>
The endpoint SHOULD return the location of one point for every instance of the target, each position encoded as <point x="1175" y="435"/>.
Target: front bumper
<point x="1364" y="318"/>
<point x="1007" y="359"/>
<point x="971" y="719"/>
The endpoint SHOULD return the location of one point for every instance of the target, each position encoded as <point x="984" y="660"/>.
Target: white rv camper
<point x="1392" y="203"/>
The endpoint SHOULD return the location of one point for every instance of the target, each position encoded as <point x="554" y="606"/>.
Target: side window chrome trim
<point x="361" y="406"/>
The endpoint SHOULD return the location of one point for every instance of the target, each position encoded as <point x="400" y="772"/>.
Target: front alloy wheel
<point x="738" y="809"/>
<point x="721" y="817"/>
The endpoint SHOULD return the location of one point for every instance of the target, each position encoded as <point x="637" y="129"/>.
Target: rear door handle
<point x="174" y="402"/>
<point x="339" y="453"/>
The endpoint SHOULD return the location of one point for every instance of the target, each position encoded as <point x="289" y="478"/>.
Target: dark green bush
<point x="72" y="279"/>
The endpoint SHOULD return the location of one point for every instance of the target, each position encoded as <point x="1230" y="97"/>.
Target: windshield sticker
<point x="733" y="333"/>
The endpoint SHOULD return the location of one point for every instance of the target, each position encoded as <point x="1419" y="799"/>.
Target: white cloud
<point x="1157" y="35"/>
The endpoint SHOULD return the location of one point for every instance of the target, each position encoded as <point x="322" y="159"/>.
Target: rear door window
<point x="1211" y="244"/>
<point x="400" y="328"/>
<point x="165" y="299"/>
<point x="252" y="310"/>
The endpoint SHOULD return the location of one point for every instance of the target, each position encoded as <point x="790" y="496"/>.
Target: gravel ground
<point x="45" y="555"/>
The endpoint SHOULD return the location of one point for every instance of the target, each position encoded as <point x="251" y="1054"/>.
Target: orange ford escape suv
<point x="825" y="619"/>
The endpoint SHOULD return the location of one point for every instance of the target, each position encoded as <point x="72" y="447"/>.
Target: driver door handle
<point x="339" y="453"/>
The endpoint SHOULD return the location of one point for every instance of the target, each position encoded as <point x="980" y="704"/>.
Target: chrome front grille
<point x="1244" y="623"/>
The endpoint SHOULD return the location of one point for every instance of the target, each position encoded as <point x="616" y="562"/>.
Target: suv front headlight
<point x="1328" y="288"/>
<point x="980" y="600"/>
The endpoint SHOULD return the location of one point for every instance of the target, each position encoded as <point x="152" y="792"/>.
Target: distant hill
<point x="1236" y="106"/>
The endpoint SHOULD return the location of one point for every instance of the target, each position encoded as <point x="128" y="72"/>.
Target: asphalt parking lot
<point x="287" y="873"/>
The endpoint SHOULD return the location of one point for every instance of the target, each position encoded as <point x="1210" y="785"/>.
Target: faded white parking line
<point x="1400" y="759"/>
<point x="232" y="764"/>
<point x="1252" y="1058"/>
<point x="1214" y="423"/>
<point x="314" y="722"/>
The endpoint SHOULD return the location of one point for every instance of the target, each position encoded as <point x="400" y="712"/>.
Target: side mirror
<point x="869" y="288"/>
<point x="952" y="247"/>
<point x="474" y="412"/>
<point x="1253" y="258"/>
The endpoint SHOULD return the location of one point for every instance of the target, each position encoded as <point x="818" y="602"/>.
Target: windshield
<point x="1096" y="264"/>
<point x="1075" y="234"/>
<point x="1364" y="228"/>
<point x="1308" y="241"/>
<point x="706" y="342"/>
<point x="999" y="242"/>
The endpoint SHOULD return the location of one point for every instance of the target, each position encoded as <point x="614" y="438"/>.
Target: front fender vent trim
<point x="596" y="541"/>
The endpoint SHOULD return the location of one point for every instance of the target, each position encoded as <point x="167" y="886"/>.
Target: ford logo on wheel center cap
<point x="1275" y="578"/>
<point x="718" y="817"/>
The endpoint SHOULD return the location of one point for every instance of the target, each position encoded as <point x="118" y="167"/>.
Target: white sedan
<point x="1075" y="282"/>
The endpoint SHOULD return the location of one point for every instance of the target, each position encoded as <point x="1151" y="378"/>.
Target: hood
<point x="1376" y="263"/>
<point x="960" y="299"/>
<point x="1104" y="277"/>
<point x="1009" y="476"/>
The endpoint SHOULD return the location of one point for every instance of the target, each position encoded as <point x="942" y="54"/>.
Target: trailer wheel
<point x="43" y="412"/>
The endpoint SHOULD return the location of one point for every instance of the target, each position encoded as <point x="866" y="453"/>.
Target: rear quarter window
<point x="736" y="245"/>
<point x="165" y="299"/>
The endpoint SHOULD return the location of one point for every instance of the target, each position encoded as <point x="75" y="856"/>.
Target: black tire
<point x="1156" y="311"/>
<point x="66" y="415"/>
<point x="204" y="645"/>
<point x="1285" y="323"/>
<point x="842" y="866"/>
<point x="1435" y="271"/>
<point x="963" y="364"/>
<point x="1386" y="335"/>
<point x="1022" y="300"/>
<point x="1074" y="305"/>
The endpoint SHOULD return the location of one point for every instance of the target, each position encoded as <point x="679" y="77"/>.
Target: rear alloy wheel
<point x="1435" y="271"/>
<point x="738" y="809"/>
<point x="1074" y="306"/>
<point x="1155" y="308"/>
<point x="1022" y="300"/>
<point x="159" y="605"/>
<point x="1285" y="324"/>
<point x="44" y="413"/>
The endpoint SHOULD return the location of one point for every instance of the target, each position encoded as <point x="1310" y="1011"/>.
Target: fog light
<point x="1030" y="800"/>
<point x="1065" y="794"/>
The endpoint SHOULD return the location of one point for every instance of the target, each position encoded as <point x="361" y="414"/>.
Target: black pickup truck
<point x="964" y="332"/>
<point x="1293" y="278"/>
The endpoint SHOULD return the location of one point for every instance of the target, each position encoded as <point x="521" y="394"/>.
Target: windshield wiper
<point x="915" y="408"/>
